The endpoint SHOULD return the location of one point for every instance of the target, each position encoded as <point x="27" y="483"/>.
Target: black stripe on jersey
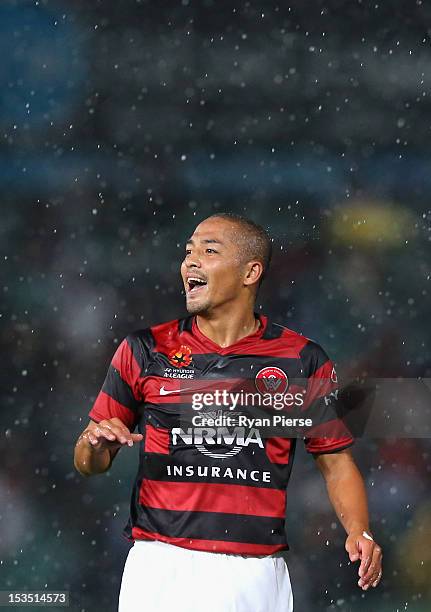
<point x="119" y="390"/>
<point x="142" y="343"/>
<point x="185" y="324"/>
<point x="213" y="526"/>
<point x="147" y="336"/>
<point x="156" y="468"/>
<point x="313" y="357"/>
<point x="272" y="331"/>
<point x="210" y="366"/>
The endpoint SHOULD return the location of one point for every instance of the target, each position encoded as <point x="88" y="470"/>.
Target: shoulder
<point x="311" y="353"/>
<point x="314" y="358"/>
<point x="169" y="328"/>
<point x="138" y="347"/>
<point x="285" y="336"/>
<point x="148" y="337"/>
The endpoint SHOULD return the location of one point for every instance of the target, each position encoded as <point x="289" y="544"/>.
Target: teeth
<point x="197" y="280"/>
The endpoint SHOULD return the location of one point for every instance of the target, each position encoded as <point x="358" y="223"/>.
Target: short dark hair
<point x="255" y="240"/>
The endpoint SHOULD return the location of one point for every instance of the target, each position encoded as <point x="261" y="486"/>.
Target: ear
<point x="253" y="272"/>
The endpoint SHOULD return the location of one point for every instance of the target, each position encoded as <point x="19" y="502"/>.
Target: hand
<point x="364" y="548"/>
<point x="111" y="434"/>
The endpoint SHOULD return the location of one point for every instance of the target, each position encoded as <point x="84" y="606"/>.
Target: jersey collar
<point x="236" y="347"/>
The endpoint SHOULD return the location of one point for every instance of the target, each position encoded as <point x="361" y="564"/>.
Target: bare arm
<point x="99" y="443"/>
<point x="346" y="490"/>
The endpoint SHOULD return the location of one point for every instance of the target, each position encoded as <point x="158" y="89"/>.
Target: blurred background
<point x="122" y="125"/>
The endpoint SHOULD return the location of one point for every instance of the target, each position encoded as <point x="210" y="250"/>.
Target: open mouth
<point x="195" y="284"/>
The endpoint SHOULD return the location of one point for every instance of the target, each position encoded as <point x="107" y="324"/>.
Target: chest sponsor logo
<point x="217" y="442"/>
<point x="271" y="380"/>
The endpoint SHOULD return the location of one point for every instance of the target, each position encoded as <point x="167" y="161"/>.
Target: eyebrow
<point x="205" y="241"/>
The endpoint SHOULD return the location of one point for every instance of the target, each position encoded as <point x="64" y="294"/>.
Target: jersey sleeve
<point x="120" y="395"/>
<point x="328" y="433"/>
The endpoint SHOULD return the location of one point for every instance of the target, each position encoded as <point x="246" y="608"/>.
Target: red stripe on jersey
<point x="166" y="337"/>
<point x="278" y="449"/>
<point x="328" y="445"/>
<point x="209" y="497"/>
<point x="105" y="407"/>
<point x="160" y="390"/>
<point x="156" y="440"/>
<point x="126" y="364"/>
<point x="239" y="548"/>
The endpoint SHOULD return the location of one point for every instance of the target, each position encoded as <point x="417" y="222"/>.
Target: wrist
<point x="359" y="529"/>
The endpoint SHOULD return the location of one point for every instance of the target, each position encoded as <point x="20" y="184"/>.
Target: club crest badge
<point x="271" y="380"/>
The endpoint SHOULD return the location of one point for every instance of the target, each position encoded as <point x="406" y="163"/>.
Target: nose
<point x="192" y="261"/>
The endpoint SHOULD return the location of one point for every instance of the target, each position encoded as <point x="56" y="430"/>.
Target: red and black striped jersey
<point x="216" y="488"/>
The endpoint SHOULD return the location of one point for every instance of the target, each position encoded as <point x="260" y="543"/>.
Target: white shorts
<point x="161" y="577"/>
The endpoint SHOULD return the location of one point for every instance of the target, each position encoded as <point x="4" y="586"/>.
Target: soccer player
<point x="207" y="513"/>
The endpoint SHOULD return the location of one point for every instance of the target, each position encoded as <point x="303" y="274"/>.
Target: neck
<point x="227" y="328"/>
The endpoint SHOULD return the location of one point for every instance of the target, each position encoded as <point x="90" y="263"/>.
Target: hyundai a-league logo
<point x="181" y="357"/>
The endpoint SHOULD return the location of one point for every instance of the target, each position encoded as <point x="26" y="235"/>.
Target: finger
<point x="126" y="437"/>
<point x="91" y="438"/>
<point x="134" y="438"/>
<point x="121" y="430"/>
<point x="366" y="549"/>
<point x="373" y="580"/>
<point x="95" y="438"/>
<point x="376" y="582"/>
<point x="101" y="431"/>
<point x="366" y="580"/>
<point x="374" y="569"/>
<point x="365" y="565"/>
<point x="121" y="433"/>
<point x="376" y="562"/>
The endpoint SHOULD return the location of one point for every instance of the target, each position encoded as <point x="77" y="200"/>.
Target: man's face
<point x="212" y="270"/>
